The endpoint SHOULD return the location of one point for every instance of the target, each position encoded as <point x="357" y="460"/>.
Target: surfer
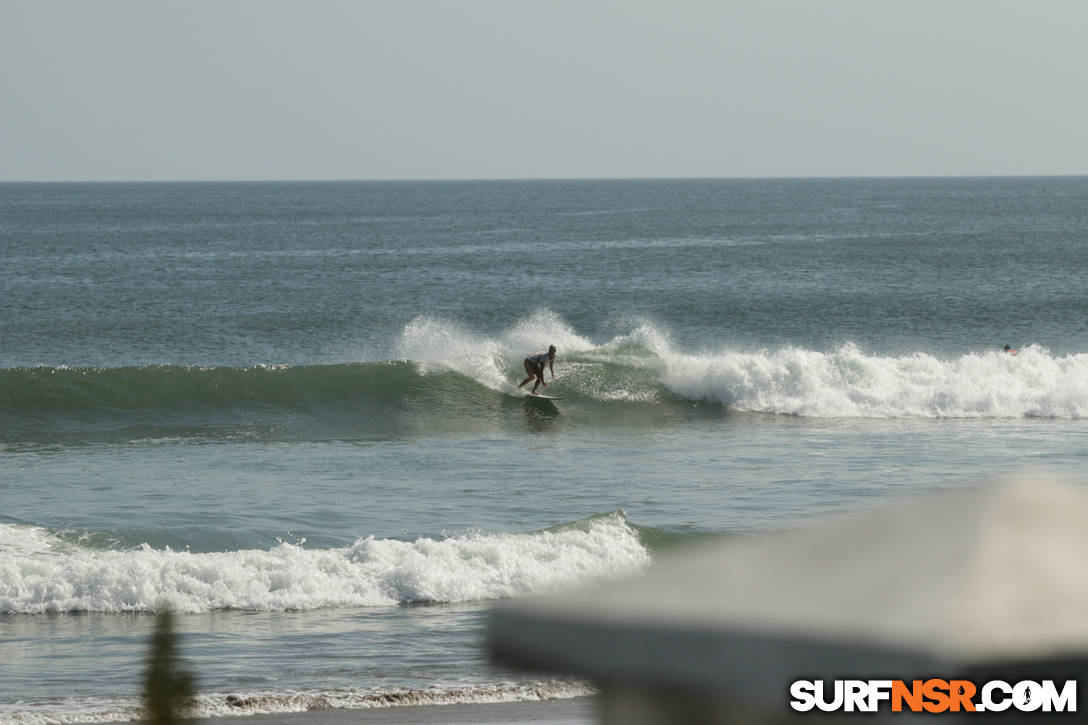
<point x="534" y="365"/>
<point x="1009" y="349"/>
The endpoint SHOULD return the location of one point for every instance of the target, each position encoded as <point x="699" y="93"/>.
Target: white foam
<point x="851" y="384"/>
<point x="215" y="705"/>
<point x="40" y="573"/>
<point x="71" y="710"/>
<point x="208" y="705"/>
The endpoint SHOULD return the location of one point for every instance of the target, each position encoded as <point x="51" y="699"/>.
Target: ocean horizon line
<point x="543" y="179"/>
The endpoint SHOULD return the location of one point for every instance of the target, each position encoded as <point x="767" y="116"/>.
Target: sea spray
<point x="438" y="345"/>
<point x="539" y="330"/>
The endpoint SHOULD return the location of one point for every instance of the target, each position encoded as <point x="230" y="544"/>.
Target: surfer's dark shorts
<point x="533" y="367"/>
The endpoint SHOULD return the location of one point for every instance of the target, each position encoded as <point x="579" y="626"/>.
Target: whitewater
<point x="46" y="572"/>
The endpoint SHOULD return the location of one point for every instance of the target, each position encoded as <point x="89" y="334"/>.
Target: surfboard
<point x="541" y="396"/>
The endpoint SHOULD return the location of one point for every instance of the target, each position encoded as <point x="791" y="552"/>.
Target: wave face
<point x="63" y="397"/>
<point x="43" y="572"/>
<point x="469" y="376"/>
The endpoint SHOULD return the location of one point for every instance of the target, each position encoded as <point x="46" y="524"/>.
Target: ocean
<point x="287" y="411"/>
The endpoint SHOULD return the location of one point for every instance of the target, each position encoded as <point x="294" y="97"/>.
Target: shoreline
<point x="580" y="710"/>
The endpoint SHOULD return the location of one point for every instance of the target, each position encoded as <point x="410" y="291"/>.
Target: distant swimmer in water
<point x="534" y="365"/>
<point x="1009" y="349"/>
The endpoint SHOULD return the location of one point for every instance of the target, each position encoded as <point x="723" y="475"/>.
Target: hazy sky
<point x="412" y="89"/>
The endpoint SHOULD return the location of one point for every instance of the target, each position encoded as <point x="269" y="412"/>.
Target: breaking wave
<point x="45" y="572"/>
<point x="471" y="378"/>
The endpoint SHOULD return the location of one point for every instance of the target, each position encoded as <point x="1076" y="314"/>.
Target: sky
<point x="137" y="90"/>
